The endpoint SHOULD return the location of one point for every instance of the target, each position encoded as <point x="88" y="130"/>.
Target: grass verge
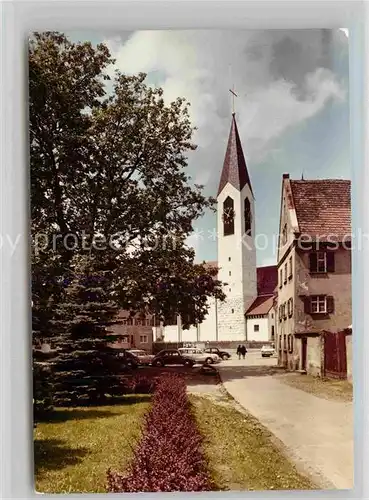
<point x="337" y="390"/>
<point x="74" y="449"/>
<point x="240" y="452"/>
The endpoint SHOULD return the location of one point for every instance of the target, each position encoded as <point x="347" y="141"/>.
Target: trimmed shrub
<point x="169" y="456"/>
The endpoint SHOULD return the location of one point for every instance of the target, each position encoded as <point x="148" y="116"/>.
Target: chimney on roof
<point x="286" y="176"/>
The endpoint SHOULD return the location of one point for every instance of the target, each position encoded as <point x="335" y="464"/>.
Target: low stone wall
<point x="230" y="345"/>
<point x="234" y="344"/>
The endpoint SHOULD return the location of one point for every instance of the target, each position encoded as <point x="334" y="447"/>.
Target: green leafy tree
<point x="115" y="166"/>
<point x="110" y="196"/>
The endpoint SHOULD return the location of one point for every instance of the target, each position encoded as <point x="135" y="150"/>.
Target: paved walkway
<point x="317" y="433"/>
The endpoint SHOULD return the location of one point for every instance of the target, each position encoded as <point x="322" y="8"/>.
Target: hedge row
<point x="169" y="456"/>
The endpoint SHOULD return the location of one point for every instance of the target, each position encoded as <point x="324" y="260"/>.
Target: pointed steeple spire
<point x="234" y="166"/>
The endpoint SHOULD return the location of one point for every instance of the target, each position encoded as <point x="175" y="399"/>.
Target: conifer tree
<point x="84" y="369"/>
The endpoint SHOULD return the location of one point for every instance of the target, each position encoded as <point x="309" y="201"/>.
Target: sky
<point x="292" y="108"/>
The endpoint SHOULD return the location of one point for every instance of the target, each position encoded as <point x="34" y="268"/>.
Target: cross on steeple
<point x="233" y="96"/>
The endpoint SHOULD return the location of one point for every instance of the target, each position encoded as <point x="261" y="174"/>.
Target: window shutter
<point x="330" y="262"/>
<point x="313" y="262"/>
<point x="290" y="307"/>
<point x="330" y="305"/>
<point x="307" y="305"/>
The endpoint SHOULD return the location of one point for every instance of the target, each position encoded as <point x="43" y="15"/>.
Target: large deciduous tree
<point x="109" y="181"/>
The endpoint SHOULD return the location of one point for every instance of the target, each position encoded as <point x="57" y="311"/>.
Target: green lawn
<point x="240" y="451"/>
<point x="76" y="447"/>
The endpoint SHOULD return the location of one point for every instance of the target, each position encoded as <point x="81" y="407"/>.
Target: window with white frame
<point x="125" y="339"/>
<point x="290" y="267"/>
<point x="144" y="339"/>
<point x="321" y="262"/>
<point x="256" y="328"/>
<point x="280" y="278"/>
<point x="318" y="304"/>
<point x="285" y="310"/>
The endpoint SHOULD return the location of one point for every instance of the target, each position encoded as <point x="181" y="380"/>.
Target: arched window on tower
<point x="248" y="216"/>
<point x="228" y="216"/>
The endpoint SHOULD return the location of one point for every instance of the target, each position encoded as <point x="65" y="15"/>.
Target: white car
<point x="267" y="351"/>
<point x="199" y="356"/>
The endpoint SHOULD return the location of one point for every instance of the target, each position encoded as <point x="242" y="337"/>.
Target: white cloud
<point x="282" y="78"/>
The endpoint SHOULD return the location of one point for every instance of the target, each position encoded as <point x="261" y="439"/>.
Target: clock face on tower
<point x="228" y="215"/>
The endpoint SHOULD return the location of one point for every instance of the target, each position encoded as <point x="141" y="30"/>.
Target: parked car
<point x="171" y="357"/>
<point x="141" y="356"/>
<point x="119" y="359"/>
<point x="199" y="356"/>
<point x="215" y="350"/>
<point x="267" y="351"/>
<point x="127" y="359"/>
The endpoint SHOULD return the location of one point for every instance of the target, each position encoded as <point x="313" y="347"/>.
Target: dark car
<point x="171" y="357"/>
<point x="215" y="350"/>
<point x="126" y="359"/>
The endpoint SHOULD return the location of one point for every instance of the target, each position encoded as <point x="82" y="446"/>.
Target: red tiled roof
<point x="261" y="305"/>
<point x="323" y="207"/>
<point x="234" y="166"/>
<point x="267" y="279"/>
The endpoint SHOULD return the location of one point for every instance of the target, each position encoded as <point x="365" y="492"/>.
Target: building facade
<point x="135" y="332"/>
<point x="314" y="269"/>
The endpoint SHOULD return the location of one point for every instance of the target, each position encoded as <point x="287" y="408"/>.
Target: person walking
<point x="239" y="351"/>
<point x="243" y="351"/>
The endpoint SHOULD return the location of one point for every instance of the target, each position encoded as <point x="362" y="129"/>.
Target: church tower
<point x="236" y="240"/>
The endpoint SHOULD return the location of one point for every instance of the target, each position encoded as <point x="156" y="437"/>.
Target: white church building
<point x="247" y="314"/>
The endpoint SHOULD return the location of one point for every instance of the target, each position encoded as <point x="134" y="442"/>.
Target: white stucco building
<point x="247" y="313"/>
